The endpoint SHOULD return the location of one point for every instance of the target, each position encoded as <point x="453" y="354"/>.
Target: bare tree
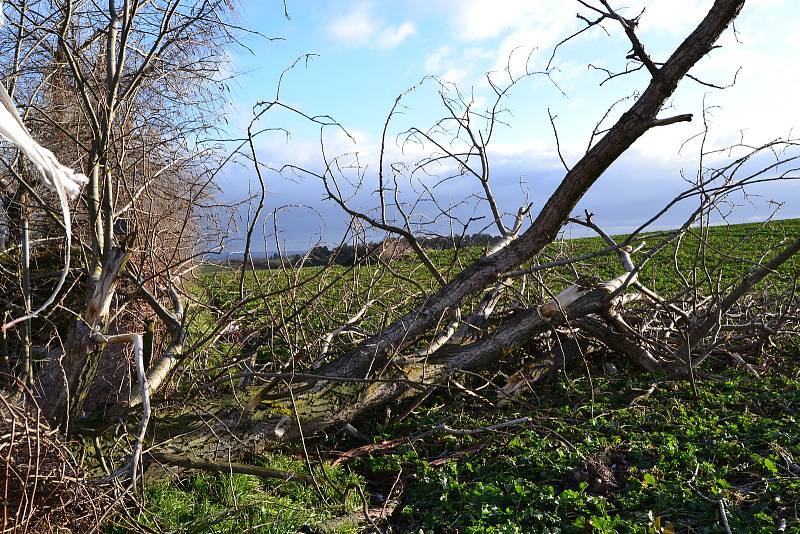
<point x="130" y="93"/>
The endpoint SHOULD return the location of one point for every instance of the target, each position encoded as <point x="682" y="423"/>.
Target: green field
<point x="681" y="454"/>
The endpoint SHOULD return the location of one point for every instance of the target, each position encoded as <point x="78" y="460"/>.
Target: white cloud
<point x="436" y="61"/>
<point x="354" y="28"/>
<point x="454" y="75"/>
<point x="755" y="108"/>
<point x="391" y="36"/>
<point x="448" y="66"/>
<point x="662" y="15"/>
<point x="360" y="27"/>
<point x="511" y="32"/>
<point x="764" y="46"/>
<point x="459" y="66"/>
<point x="478" y="19"/>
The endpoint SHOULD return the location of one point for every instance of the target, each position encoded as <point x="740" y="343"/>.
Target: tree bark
<point x="301" y="411"/>
<point x="66" y="381"/>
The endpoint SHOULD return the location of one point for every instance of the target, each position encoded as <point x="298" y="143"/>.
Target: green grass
<point x="301" y="304"/>
<point x="729" y="251"/>
<point x="206" y="503"/>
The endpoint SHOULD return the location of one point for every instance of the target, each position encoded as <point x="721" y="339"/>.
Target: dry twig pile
<point x="42" y="487"/>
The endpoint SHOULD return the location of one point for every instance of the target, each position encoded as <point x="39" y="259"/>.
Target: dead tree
<point x="325" y="402"/>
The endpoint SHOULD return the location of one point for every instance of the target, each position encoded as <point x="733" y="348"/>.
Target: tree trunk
<point x="66" y="382"/>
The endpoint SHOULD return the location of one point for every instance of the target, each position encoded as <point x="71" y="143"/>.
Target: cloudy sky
<point x="366" y="53"/>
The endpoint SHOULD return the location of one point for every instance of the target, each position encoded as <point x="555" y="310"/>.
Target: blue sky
<point x="368" y="52"/>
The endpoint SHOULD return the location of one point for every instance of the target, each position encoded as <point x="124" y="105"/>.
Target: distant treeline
<point x="386" y="250"/>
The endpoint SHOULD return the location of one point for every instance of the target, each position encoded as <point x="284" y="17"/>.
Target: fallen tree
<point x="464" y="324"/>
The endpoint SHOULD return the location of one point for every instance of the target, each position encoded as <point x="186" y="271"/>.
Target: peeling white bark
<point x="158" y="372"/>
<point x="574" y="292"/>
<point x="562" y="300"/>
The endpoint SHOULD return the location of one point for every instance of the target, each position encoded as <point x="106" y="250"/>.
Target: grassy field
<point x="728" y="252"/>
<point x="682" y="457"/>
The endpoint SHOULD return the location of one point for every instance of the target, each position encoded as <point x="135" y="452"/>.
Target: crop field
<point x="600" y="446"/>
<point x="323" y="298"/>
